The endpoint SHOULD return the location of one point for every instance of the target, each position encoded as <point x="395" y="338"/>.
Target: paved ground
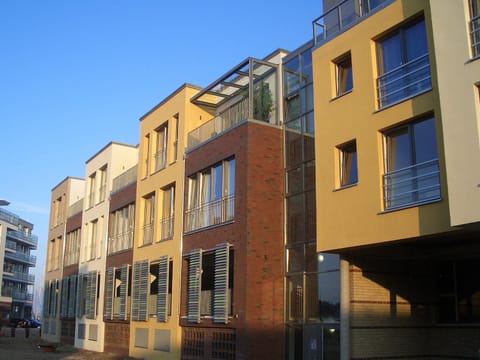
<point x="28" y="349"/>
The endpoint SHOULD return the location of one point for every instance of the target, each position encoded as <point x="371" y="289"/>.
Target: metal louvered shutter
<point x="194" y="285"/>
<point x="72" y="295"/>
<point x="109" y="293"/>
<point x="54" y="287"/>
<point x="123" y="291"/>
<point x="79" y="310"/>
<point x="46" y="297"/>
<point x="220" y="290"/>
<point x="91" y="295"/>
<point x="64" y="298"/>
<point x="140" y="290"/>
<point x="162" y="295"/>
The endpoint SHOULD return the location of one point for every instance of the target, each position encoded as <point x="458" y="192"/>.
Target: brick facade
<point x="256" y="235"/>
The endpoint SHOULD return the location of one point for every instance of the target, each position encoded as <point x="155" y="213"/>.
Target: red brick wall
<point x="256" y="235"/>
<point x="117" y="337"/>
<point x="123" y="197"/>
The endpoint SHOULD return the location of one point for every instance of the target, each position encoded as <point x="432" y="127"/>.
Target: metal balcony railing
<point x="20" y="276"/>
<point x="160" y="160"/>
<point x="224" y="121"/>
<point x="148" y="234"/>
<point x="121" y="241"/>
<point x="413" y="185"/>
<point x="343" y="16"/>
<point x="406" y="81"/>
<point x="166" y="226"/>
<point x="17" y="295"/>
<point x="211" y="213"/>
<point x="28" y="239"/>
<point x="11" y="245"/>
<point x="30" y="259"/>
<point x="475" y="35"/>
<point x="9" y="217"/>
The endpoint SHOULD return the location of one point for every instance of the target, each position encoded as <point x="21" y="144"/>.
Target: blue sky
<point x="75" y="75"/>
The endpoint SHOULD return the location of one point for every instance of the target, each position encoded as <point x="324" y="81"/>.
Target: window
<point x="459" y="291"/>
<point x="168" y="212"/>
<point x="348" y="164"/>
<point x="102" y="193"/>
<point x="118" y="293"/>
<point x="148" y="218"/>
<point x="344" y="74"/>
<point x="412" y="169"/>
<point x="92" y="240"/>
<point x="152" y="289"/>
<point x="69" y="285"/>
<point x="210" y="284"/>
<point x="72" y="247"/>
<point x="211" y="195"/>
<point x="146" y="155"/>
<point x="475" y="26"/>
<point x="161" y="147"/>
<point x="92" y="186"/>
<point x="121" y="229"/>
<point x="87" y="294"/>
<point x="404" y="65"/>
<point x="175" y="139"/>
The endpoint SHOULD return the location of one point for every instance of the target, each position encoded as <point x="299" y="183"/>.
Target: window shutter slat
<point x="194" y="285"/>
<point x="109" y="294"/>
<point x="46" y="293"/>
<point x="79" y="311"/>
<point x="53" y="309"/>
<point x="162" y="295"/>
<point x="91" y="294"/>
<point x="220" y="291"/>
<point x="140" y="290"/>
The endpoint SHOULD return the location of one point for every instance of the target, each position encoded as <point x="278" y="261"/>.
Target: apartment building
<point x="118" y="280"/>
<point x="232" y="297"/>
<point x="101" y="169"/>
<point x="16" y="244"/>
<point x="396" y="129"/>
<point x="157" y="256"/>
<point x="63" y="195"/>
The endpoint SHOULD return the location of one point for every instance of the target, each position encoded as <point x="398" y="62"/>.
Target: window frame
<point x="348" y="162"/>
<point x="343" y="74"/>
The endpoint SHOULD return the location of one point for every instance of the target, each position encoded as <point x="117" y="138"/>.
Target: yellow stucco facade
<point x="161" y="167"/>
<point x="356" y="215"/>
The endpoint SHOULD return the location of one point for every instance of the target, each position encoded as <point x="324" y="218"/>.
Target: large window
<point x="168" y="212"/>
<point x="161" y="147"/>
<point x="404" y="66"/>
<point x="152" y="289"/>
<point x="92" y="184"/>
<point x="102" y="192"/>
<point x="211" y="196"/>
<point x="475" y="26"/>
<point x="148" y="218"/>
<point x="412" y="170"/>
<point x="117" y="299"/>
<point x="72" y="247"/>
<point x="121" y="229"/>
<point x="459" y="291"/>
<point x="210" y="284"/>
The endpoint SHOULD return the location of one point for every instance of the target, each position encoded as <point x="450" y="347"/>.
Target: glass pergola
<point x="247" y="92"/>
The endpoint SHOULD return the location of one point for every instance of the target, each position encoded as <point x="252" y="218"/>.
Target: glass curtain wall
<point x="312" y="280"/>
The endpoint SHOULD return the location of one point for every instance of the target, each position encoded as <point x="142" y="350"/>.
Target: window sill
<point x="341" y="95"/>
<point x="345" y="187"/>
<point x="209" y="227"/>
<point x="472" y="59"/>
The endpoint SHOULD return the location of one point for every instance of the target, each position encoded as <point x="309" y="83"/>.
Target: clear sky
<point x="77" y="74"/>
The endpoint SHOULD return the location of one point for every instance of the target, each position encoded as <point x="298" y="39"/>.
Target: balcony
<point x="9" y="217"/>
<point x="247" y="92"/>
<point x="20" y="276"/>
<point x="11" y="245"/>
<point x="148" y="230"/>
<point x="411" y="186"/>
<point x="404" y="82"/>
<point x="75" y="208"/>
<point x="475" y="35"/>
<point x="28" y="239"/>
<point x="124" y="179"/>
<point x="17" y="295"/>
<point x="211" y="213"/>
<point x="343" y="16"/>
<point x="20" y="257"/>
<point x="121" y="241"/>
